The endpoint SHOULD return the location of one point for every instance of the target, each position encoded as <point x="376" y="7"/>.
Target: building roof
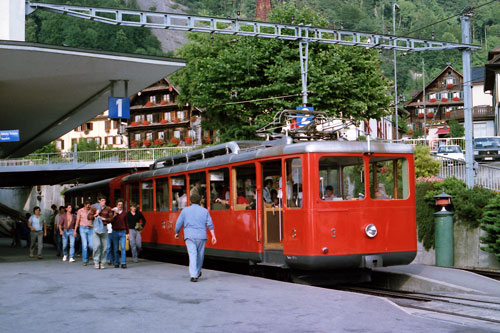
<point x="46" y="91"/>
<point x="477" y="74"/>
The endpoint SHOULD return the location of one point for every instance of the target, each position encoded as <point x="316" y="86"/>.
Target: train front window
<point x="341" y="178"/>
<point x="162" y="195"/>
<point x="179" y="193"/>
<point x="388" y="178"/>
<point x="147" y="196"/>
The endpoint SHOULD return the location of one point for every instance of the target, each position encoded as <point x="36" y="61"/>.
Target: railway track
<point x="481" y="310"/>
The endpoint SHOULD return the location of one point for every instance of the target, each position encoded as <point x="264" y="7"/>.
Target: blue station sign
<point x="304" y="119"/>
<point x="9" y="135"/>
<point x="119" y="107"/>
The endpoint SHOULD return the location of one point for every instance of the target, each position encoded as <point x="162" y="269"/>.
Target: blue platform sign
<point x="9" y="135"/>
<point x="304" y="119"/>
<point x="119" y="107"/>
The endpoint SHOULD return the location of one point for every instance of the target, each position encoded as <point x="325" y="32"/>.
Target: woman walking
<point x="136" y="223"/>
<point x="36" y="224"/>
<point x="67" y="224"/>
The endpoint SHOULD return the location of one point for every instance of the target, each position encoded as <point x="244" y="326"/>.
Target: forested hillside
<point x="376" y="16"/>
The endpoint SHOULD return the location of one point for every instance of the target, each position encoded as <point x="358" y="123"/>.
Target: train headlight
<point x="371" y="230"/>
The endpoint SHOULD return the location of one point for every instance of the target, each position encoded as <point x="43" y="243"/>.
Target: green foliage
<point x="84" y="145"/>
<point x="456" y="129"/>
<point x="47" y="149"/>
<point x="490" y="222"/>
<point x="425" y="214"/>
<point x="226" y="69"/>
<point x="425" y="165"/>
<point x="56" y="29"/>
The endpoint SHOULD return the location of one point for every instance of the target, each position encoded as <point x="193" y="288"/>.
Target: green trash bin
<point x="443" y="237"/>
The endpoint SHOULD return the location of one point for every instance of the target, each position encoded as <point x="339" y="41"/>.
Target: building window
<point x="149" y="136"/>
<point x="98" y="140"/>
<point x="137" y="137"/>
<point x="177" y="134"/>
<point x="115" y="124"/>
<point x="149" y="117"/>
<point x="88" y="126"/>
<point x="180" y="115"/>
<point x="109" y="140"/>
<point x="60" y="144"/>
<point x="118" y="140"/>
<point x="166" y="116"/>
<point x="161" y="135"/>
<point x="79" y="129"/>
<point x="107" y="125"/>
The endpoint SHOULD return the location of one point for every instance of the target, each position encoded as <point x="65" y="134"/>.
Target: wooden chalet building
<point x="157" y="119"/>
<point x="444" y="101"/>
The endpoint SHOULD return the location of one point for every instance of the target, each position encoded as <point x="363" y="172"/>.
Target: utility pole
<point x="394" y="6"/>
<point x="466" y="60"/>
<point x="424" y="99"/>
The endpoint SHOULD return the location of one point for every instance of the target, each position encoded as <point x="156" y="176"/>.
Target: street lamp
<point x="394" y="7"/>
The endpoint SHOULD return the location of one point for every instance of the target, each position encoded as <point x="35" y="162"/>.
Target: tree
<point x="47" y="149"/>
<point x="490" y="222"/>
<point x="456" y="129"/>
<point x="221" y="70"/>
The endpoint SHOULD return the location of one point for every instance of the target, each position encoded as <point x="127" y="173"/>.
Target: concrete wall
<point x="25" y="198"/>
<point x="467" y="251"/>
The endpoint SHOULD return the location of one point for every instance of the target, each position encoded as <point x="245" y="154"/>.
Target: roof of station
<point x="46" y="91"/>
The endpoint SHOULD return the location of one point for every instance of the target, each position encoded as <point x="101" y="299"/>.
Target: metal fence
<point x="95" y="157"/>
<point x="434" y="143"/>
<point x="487" y="176"/>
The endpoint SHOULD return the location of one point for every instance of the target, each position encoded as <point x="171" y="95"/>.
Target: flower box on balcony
<point x="192" y="119"/>
<point x="447" y="113"/>
<point x="159" y="142"/>
<point x="175" y="141"/>
<point x="430" y="115"/>
<point x="163" y="121"/>
<point x="449" y="85"/>
<point x="444" y="99"/>
<point x="146" y="143"/>
<point x="176" y="121"/>
<point x="207" y="140"/>
<point x="410" y="132"/>
<point x="432" y="100"/>
<point x="188" y="140"/>
<point x="420" y="115"/>
<point x="134" y="123"/>
<point x="145" y="122"/>
<point x="163" y="102"/>
<point x="133" y="144"/>
<point x="149" y="103"/>
<point x="456" y="99"/>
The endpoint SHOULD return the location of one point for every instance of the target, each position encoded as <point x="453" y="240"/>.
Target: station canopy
<point x="46" y="91"/>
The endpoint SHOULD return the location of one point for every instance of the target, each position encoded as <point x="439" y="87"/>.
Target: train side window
<point x="219" y="189"/>
<point x="293" y="188"/>
<point x="389" y="178"/>
<point x="162" y="195"/>
<point x="243" y="189"/>
<point x="198" y="184"/>
<point x="133" y="193"/>
<point x="179" y="193"/>
<point x="147" y="196"/>
<point x="341" y="178"/>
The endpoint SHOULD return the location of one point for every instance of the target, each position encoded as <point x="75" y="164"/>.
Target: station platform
<point x="54" y="296"/>
<point x="425" y="279"/>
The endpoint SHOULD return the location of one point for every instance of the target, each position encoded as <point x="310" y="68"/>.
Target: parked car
<point x="451" y="151"/>
<point x="487" y="149"/>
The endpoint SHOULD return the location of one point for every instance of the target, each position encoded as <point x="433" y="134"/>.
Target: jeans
<point x="110" y="255"/>
<point x="58" y="242"/>
<point x="36" y="237"/>
<point x="68" y="233"/>
<point x="120" y="236"/>
<point x="100" y="242"/>
<point x="86" y="235"/>
<point x="196" y="252"/>
<point x="135" y="243"/>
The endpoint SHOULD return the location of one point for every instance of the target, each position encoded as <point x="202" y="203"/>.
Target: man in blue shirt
<point x="195" y="220"/>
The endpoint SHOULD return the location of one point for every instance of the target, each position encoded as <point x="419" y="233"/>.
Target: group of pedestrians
<point x="103" y="231"/>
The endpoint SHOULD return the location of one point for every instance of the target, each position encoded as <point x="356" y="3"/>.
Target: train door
<point x="272" y="203"/>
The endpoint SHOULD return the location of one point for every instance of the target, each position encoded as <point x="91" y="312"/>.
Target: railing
<point x="97" y="156"/>
<point x="486" y="176"/>
<point x="434" y="143"/>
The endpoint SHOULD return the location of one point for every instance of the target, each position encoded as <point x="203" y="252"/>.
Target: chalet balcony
<point x="146" y="124"/>
<point x="485" y="112"/>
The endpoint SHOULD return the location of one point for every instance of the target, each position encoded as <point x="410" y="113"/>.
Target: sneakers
<point x="101" y="266"/>
<point x="117" y="266"/>
<point x="194" y="279"/>
<point x="124" y="266"/>
<point x="72" y="260"/>
<point x="65" y="258"/>
<point x="31" y="255"/>
<point x="85" y="263"/>
<point x="109" y="263"/>
<point x="96" y="266"/>
<point x="40" y="257"/>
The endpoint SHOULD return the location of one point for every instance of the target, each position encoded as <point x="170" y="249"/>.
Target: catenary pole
<point x="466" y="60"/>
<point x="394" y="6"/>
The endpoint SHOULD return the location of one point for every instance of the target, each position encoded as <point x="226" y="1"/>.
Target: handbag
<point x="127" y="245"/>
<point x="99" y="227"/>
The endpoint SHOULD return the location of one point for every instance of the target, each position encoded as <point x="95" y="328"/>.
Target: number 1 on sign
<point x="119" y="105"/>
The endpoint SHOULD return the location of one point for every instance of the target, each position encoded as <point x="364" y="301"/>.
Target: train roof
<point x="91" y="186"/>
<point x="241" y="151"/>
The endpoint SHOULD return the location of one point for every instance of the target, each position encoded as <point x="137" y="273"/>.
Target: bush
<point x="490" y="222"/>
<point x="425" y="165"/>
<point x="425" y="214"/>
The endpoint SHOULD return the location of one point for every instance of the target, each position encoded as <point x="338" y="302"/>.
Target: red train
<point x="316" y="205"/>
